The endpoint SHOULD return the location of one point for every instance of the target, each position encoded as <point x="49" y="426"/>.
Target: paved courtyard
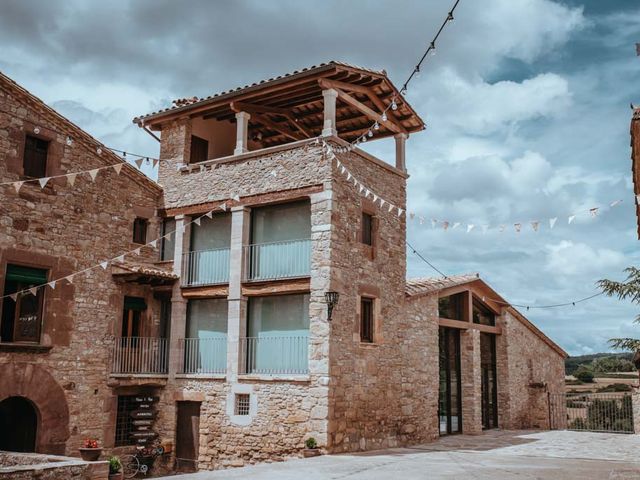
<point x="494" y="455"/>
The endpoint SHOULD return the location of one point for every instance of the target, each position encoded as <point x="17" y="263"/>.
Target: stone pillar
<point x="178" y="303"/>
<point x="635" y="402"/>
<point x="242" y="132"/>
<point x="329" y="128"/>
<point x="471" y="373"/>
<point x="237" y="320"/>
<point x="401" y="139"/>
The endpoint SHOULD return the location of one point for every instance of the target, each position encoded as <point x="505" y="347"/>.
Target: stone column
<point x="635" y="402"/>
<point x="178" y="303"/>
<point x="242" y="132"/>
<point x="329" y="128"/>
<point x="237" y="320"/>
<point x="471" y="373"/>
<point x="401" y="139"/>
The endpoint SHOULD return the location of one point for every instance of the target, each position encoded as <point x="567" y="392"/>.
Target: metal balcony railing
<point x="204" y="355"/>
<point x="140" y="355"/>
<point x="275" y="354"/>
<point x="205" y="267"/>
<point x="271" y="261"/>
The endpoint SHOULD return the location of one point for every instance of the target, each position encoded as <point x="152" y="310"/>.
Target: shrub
<point x="584" y="374"/>
<point x="114" y="465"/>
<point x="311" y="443"/>
<point x="615" y="387"/>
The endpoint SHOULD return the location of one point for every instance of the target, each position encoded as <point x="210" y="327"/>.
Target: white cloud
<point x="568" y="258"/>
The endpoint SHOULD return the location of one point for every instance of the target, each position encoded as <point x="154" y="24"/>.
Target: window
<point x="124" y="421"/>
<point x="242" y="404"/>
<point x="22" y="319"/>
<point x="167" y="244"/>
<point x="482" y="314"/>
<point x="140" y="230"/>
<point x="366" y="320"/>
<point x="367" y="229"/>
<point x="452" y="307"/>
<point x="199" y="149"/>
<point x="34" y="162"/>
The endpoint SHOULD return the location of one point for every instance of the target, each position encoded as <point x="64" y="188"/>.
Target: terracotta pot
<point x="311" y="452"/>
<point x="116" y="476"/>
<point x="90" y="454"/>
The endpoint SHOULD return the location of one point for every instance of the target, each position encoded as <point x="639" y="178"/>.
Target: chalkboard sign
<point x="143" y="418"/>
<point x="142" y="414"/>
<point x="143" y="399"/>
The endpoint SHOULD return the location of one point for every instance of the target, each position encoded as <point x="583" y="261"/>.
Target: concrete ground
<point x="495" y="455"/>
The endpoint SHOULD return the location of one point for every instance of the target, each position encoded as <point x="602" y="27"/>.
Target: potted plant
<point x="311" y="449"/>
<point x="90" y="451"/>
<point x="115" y="469"/>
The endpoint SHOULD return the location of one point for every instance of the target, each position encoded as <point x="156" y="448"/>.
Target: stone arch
<point x="19" y="420"/>
<point x="38" y="386"/>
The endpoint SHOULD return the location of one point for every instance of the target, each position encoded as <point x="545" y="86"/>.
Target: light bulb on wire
<point x="432" y="50"/>
<point x="384" y="116"/>
<point x="376" y="126"/>
<point x="370" y="133"/>
<point x="394" y="105"/>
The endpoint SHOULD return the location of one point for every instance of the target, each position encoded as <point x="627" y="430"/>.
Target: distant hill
<point x="571" y="363"/>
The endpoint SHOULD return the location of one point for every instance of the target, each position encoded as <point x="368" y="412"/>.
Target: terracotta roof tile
<point x="421" y="286"/>
<point x="144" y="270"/>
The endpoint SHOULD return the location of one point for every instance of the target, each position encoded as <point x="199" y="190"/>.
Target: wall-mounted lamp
<point x="332" y="300"/>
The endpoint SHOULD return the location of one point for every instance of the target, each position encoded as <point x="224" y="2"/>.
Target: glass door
<point x="489" y="388"/>
<point x="450" y="400"/>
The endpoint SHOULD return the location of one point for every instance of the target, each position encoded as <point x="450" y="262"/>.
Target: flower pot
<point x="311" y="452"/>
<point x="116" y="476"/>
<point x="90" y="454"/>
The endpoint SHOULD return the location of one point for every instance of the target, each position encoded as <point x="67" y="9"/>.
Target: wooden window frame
<point x="42" y="169"/>
<point x="195" y="139"/>
<point x="369" y="250"/>
<point x="368" y="337"/>
<point x="41" y="292"/>
<point x="140" y="238"/>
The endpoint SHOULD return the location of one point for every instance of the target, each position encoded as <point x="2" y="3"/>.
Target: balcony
<point x="278" y="260"/>
<point x="275" y="354"/>
<point x="206" y="267"/>
<point x="204" y="355"/>
<point x="140" y="355"/>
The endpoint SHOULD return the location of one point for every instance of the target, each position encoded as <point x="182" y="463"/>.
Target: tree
<point x="612" y="364"/>
<point x="627" y="290"/>
<point x="584" y="373"/>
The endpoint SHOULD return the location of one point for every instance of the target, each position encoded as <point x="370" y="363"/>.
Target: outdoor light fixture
<point x="332" y="300"/>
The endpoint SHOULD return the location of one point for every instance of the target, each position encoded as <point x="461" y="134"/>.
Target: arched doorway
<point x="18" y="425"/>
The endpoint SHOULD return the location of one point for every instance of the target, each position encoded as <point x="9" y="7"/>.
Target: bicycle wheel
<point x="130" y="465"/>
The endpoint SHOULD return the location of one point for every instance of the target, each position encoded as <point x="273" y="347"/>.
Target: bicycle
<point x="140" y="461"/>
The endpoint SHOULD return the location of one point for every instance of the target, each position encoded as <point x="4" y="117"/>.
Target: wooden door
<point x="187" y="435"/>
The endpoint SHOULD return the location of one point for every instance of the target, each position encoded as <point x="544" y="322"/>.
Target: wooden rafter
<point x="262" y="110"/>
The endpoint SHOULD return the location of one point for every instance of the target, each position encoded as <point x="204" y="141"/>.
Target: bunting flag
<point x="594" y="211"/>
<point x="119" y="258"/>
<point x="104" y="265"/>
<point x="197" y="221"/>
<point x="155" y="162"/>
<point x="52" y="284"/>
<point x="552" y="222"/>
<point x="209" y="214"/>
<point x="470" y="227"/>
<point x="69" y="278"/>
<point x="445" y="225"/>
<point x="535" y="225"/>
<point x="71" y="178"/>
<point x="153" y="243"/>
<point x="455" y="225"/>
<point x="570" y="219"/>
<point x="138" y="162"/>
<point x="93" y="174"/>
<point x="33" y="291"/>
<point x="236" y="198"/>
<point x="223" y="206"/>
<point x="179" y="166"/>
<point x="117" y="167"/>
<point x="518" y="227"/>
<point x="43" y="181"/>
<point x="17" y="186"/>
<point x="137" y="250"/>
<point x="14" y="297"/>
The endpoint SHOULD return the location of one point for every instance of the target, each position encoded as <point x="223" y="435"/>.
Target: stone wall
<point x="27" y="466"/>
<point x="528" y="368"/>
<point x="66" y="229"/>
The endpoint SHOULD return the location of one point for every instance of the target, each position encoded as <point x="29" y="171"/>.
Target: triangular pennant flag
<point x="535" y="225"/>
<point x="223" y="207"/>
<point x="615" y="202"/>
<point x="14" y="297"/>
<point x="445" y="225"/>
<point x="367" y="193"/>
<point x="33" y="291"/>
<point x="349" y="176"/>
<point x="342" y="169"/>
<point x="43" y="181"/>
<point x="117" y="167"/>
<point x="71" y="178"/>
<point x="552" y="222"/>
<point x="209" y="214"/>
<point x="137" y="251"/>
<point x="355" y="182"/>
<point x="52" y="284"/>
<point x="382" y="202"/>
<point x="119" y="258"/>
<point x="197" y="221"/>
<point x="139" y="161"/>
<point x="155" y="162"/>
<point x="455" y="225"/>
<point x="168" y="235"/>
<point x="338" y="163"/>
<point x="179" y="166"/>
<point x="361" y="188"/>
<point x="400" y="211"/>
<point x="594" y="211"/>
<point x="375" y="198"/>
<point x="69" y="278"/>
<point x="571" y="218"/>
<point x="93" y="174"/>
<point x="470" y="227"/>
<point x="236" y="198"/>
<point x="153" y="243"/>
<point x="202" y="168"/>
<point x="104" y="265"/>
<point x="391" y="207"/>
<point x="518" y="227"/>
<point x="17" y="186"/>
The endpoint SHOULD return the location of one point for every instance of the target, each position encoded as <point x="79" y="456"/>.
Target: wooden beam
<point x="460" y="325"/>
<point x="261" y="109"/>
<point x="301" y="285"/>
<point x="348" y="99"/>
<point x="206" y="292"/>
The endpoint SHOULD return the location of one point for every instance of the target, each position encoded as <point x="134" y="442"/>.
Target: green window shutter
<point x="33" y="276"/>
<point x="134" y="303"/>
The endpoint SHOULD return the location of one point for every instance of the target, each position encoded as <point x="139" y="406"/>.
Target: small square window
<point x="34" y="161"/>
<point x="199" y="149"/>
<point x="140" y="230"/>
<point x="367" y="229"/>
<point x="242" y="404"/>
<point x="366" y="320"/>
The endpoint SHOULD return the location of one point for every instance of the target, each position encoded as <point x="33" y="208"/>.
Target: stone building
<point x="230" y="333"/>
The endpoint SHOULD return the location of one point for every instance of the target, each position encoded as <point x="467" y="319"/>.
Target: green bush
<point x="584" y="373"/>
<point x="311" y="443"/>
<point x="114" y="465"/>
<point x="615" y="387"/>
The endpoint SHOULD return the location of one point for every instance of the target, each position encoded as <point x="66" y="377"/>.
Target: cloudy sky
<point x="526" y="101"/>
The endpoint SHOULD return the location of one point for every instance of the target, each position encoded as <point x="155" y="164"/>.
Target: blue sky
<point x="526" y="101"/>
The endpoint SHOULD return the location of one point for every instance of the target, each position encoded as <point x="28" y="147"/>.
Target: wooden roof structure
<point x="290" y="107"/>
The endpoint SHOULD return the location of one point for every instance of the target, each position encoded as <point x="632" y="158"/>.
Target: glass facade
<point x="450" y="398"/>
<point x="206" y="336"/>
<point x="208" y="261"/>
<point x="281" y="223"/>
<point x="482" y="315"/>
<point x="452" y="307"/>
<point x="489" y="386"/>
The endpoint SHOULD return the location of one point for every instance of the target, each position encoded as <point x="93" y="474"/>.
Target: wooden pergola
<point x="294" y="106"/>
